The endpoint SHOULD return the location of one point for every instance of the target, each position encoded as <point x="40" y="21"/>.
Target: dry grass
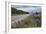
<point x="27" y="22"/>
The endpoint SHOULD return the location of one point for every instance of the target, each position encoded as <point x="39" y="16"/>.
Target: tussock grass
<point x="27" y="22"/>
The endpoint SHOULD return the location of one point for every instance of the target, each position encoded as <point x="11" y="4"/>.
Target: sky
<point x="27" y="8"/>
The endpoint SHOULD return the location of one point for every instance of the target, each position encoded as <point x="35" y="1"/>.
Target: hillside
<point x="14" y="11"/>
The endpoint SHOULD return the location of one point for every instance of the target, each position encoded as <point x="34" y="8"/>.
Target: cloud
<point x="27" y="8"/>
